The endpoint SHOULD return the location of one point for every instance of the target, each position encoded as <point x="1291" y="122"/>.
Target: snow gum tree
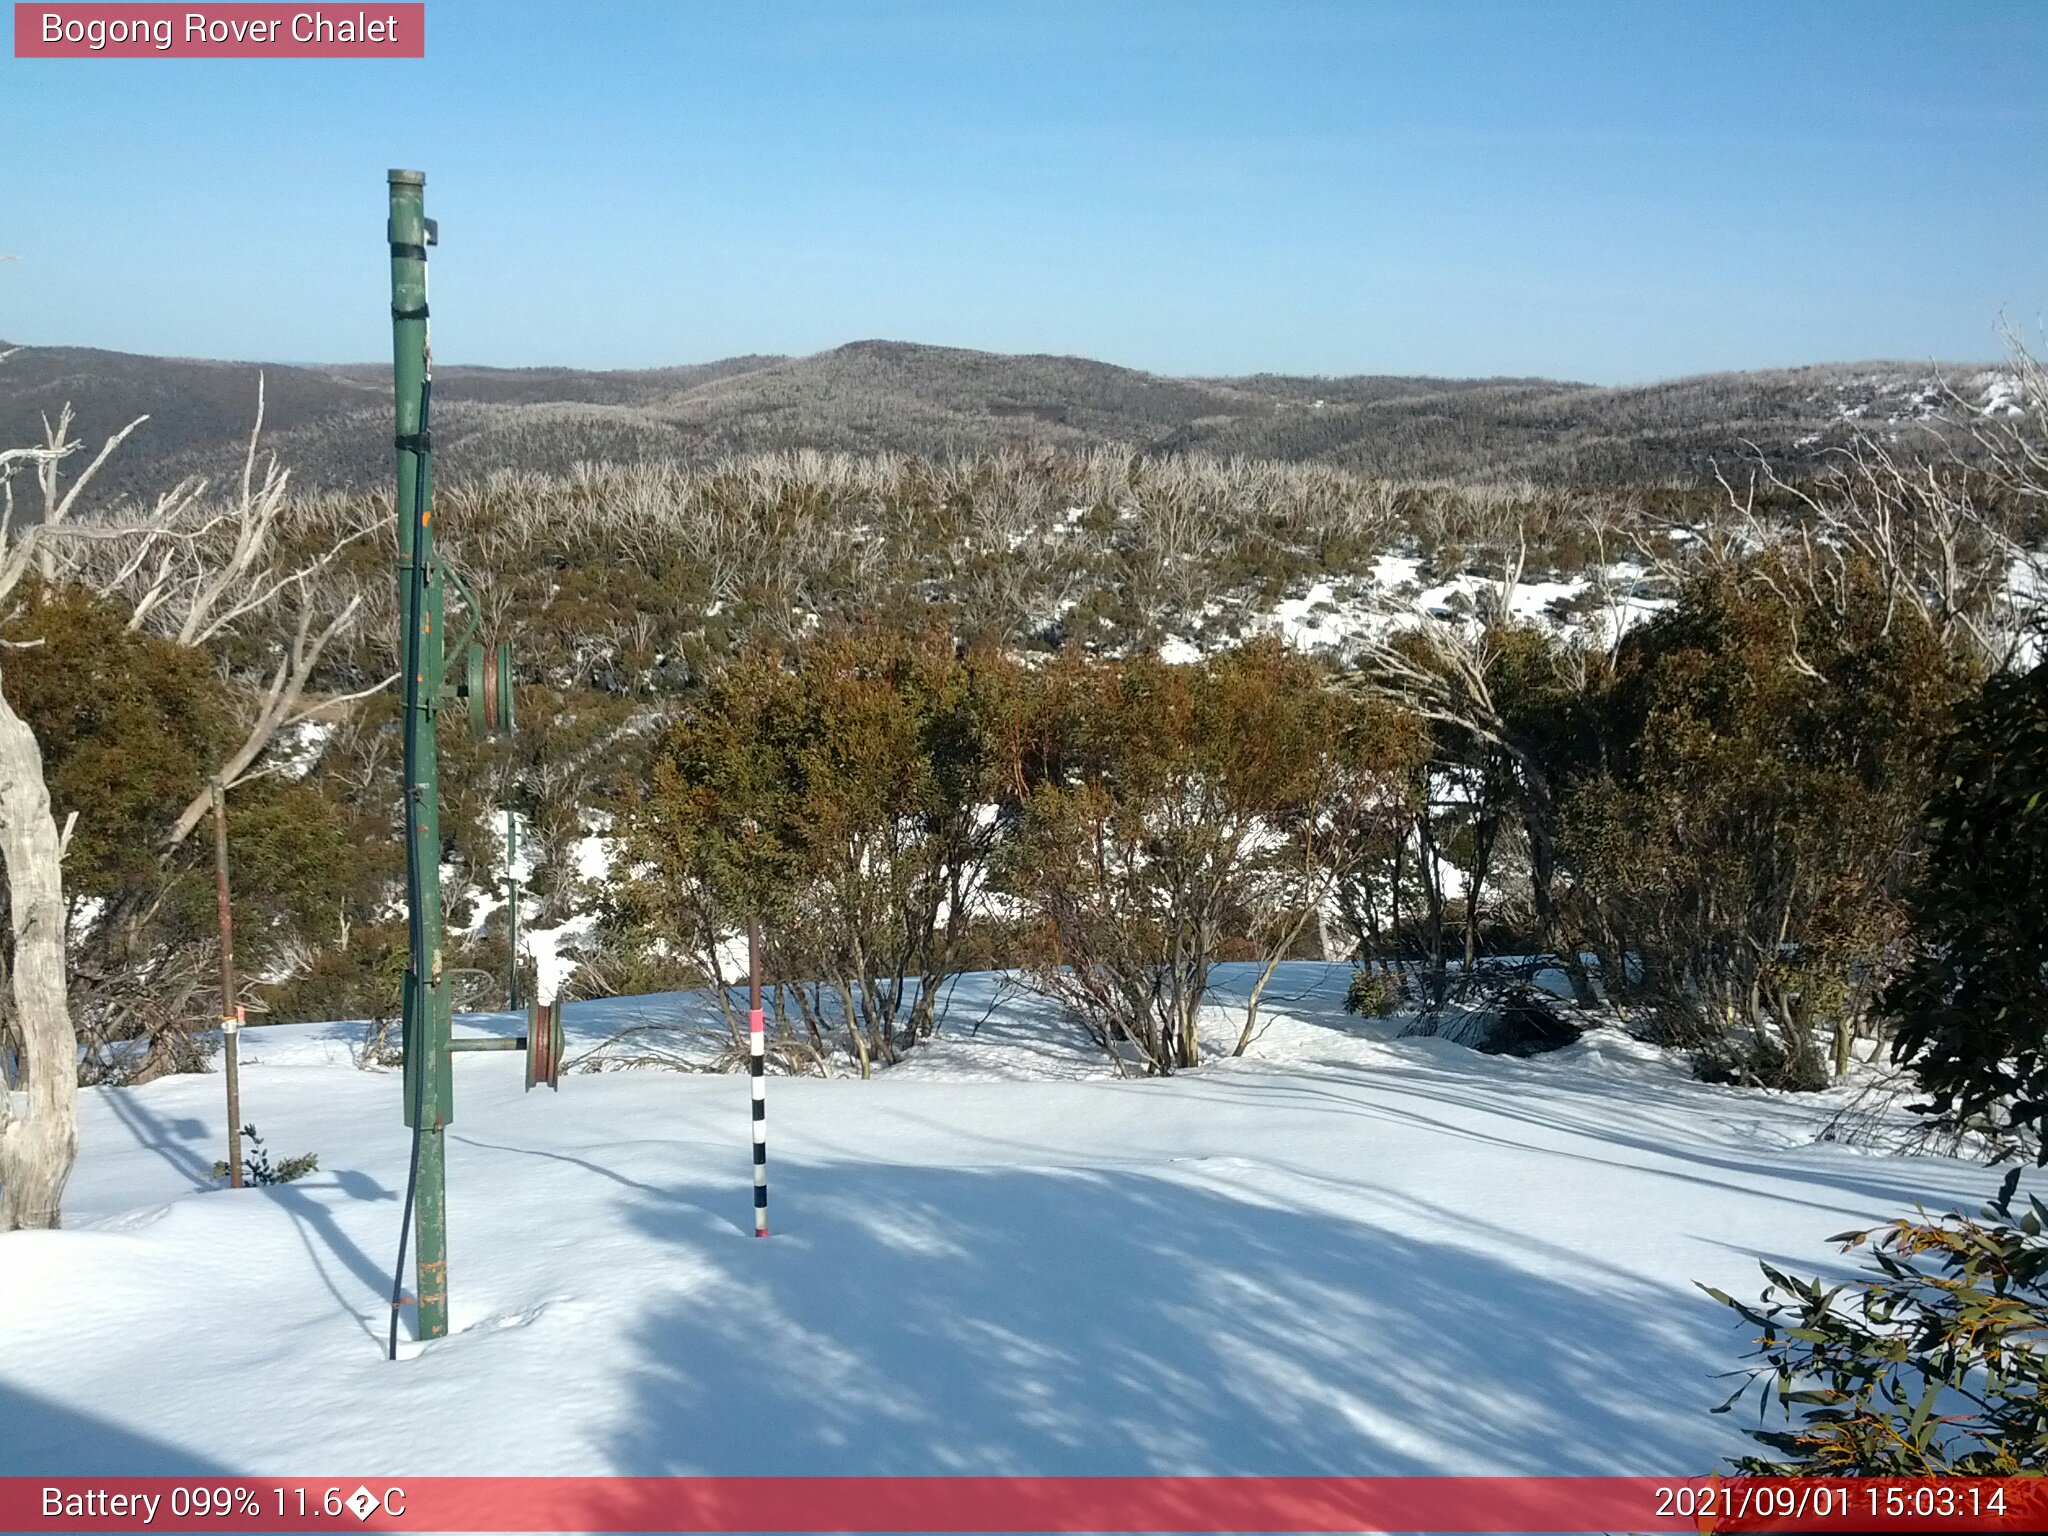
<point x="1925" y="1363"/>
<point x="1748" y="835"/>
<point x="1508" y="707"/>
<point x="127" y="724"/>
<point x="187" y="577"/>
<point x="1972" y="1003"/>
<point x="36" y="1146"/>
<point x="1168" y="809"/>
<point x="846" y="796"/>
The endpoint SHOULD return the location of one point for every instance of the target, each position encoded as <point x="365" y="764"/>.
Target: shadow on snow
<point x="918" y="1321"/>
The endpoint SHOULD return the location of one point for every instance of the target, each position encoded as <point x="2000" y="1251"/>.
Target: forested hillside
<point x="874" y="396"/>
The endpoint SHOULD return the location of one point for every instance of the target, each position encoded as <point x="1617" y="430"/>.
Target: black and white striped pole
<point x="757" y="1051"/>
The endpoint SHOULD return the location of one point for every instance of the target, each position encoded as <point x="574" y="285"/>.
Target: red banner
<point x="101" y="31"/>
<point x="1012" y="1504"/>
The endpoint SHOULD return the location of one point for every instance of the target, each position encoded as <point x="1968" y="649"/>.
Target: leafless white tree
<point x="225" y="568"/>
<point x="190" y="571"/>
<point x="38" y="1145"/>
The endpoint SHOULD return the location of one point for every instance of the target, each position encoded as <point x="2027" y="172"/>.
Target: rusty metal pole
<point x="230" y="1016"/>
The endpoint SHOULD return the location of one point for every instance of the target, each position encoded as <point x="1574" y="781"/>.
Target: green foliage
<point x="1156" y="801"/>
<point x="1930" y="1364"/>
<point x="129" y="726"/>
<point x="1373" y="992"/>
<point x="1140" y="820"/>
<point x="1765" y="748"/>
<point x="357" y="975"/>
<point x="809" y="784"/>
<point x="840" y="800"/>
<point x="301" y="864"/>
<point x="1972" y="1007"/>
<point x="257" y="1167"/>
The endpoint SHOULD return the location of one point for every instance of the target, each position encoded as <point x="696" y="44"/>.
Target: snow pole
<point x="757" y="1052"/>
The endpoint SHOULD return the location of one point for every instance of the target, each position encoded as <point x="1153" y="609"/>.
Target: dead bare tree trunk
<point x="36" y="1149"/>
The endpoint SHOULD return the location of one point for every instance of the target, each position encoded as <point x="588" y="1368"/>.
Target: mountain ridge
<point x="329" y="422"/>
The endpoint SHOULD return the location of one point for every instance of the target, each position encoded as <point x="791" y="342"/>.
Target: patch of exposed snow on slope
<point x="1533" y="599"/>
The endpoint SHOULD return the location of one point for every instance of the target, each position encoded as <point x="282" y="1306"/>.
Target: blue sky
<point x="1613" y="192"/>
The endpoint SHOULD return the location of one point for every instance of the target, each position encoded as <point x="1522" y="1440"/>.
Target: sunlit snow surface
<point x="1345" y="1253"/>
<point x="1337" y="617"/>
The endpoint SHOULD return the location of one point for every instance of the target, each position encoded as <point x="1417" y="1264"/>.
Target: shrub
<point x="1930" y="1366"/>
<point x="838" y="796"/>
<point x="257" y="1167"/>
<point x="1373" y="993"/>
<point x="125" y="722"/>
<point x="1758" y="1062"/>
<point x="1749" y="835"/>
<point x="361" y="977"/>
<point x="1973" y="1004"/>
<point x="1166" y="810"/>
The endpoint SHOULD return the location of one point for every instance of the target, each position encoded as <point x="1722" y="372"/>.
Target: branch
<point x="280" y="702"/>
<point x="55" y="510"/>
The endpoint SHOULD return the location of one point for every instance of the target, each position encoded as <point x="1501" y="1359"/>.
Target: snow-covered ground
<point x="1347" y="1253"/>
<point x="1335" y="616"/>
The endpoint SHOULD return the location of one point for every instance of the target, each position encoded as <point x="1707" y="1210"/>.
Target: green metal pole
<point x="427" y="1015"/>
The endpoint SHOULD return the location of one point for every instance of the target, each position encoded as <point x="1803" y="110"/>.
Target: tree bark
<point x="36" y="1149"/>
<point x="1537" y="822"/>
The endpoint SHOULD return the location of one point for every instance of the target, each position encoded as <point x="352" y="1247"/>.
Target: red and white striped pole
<point x="757" y="1047"/>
